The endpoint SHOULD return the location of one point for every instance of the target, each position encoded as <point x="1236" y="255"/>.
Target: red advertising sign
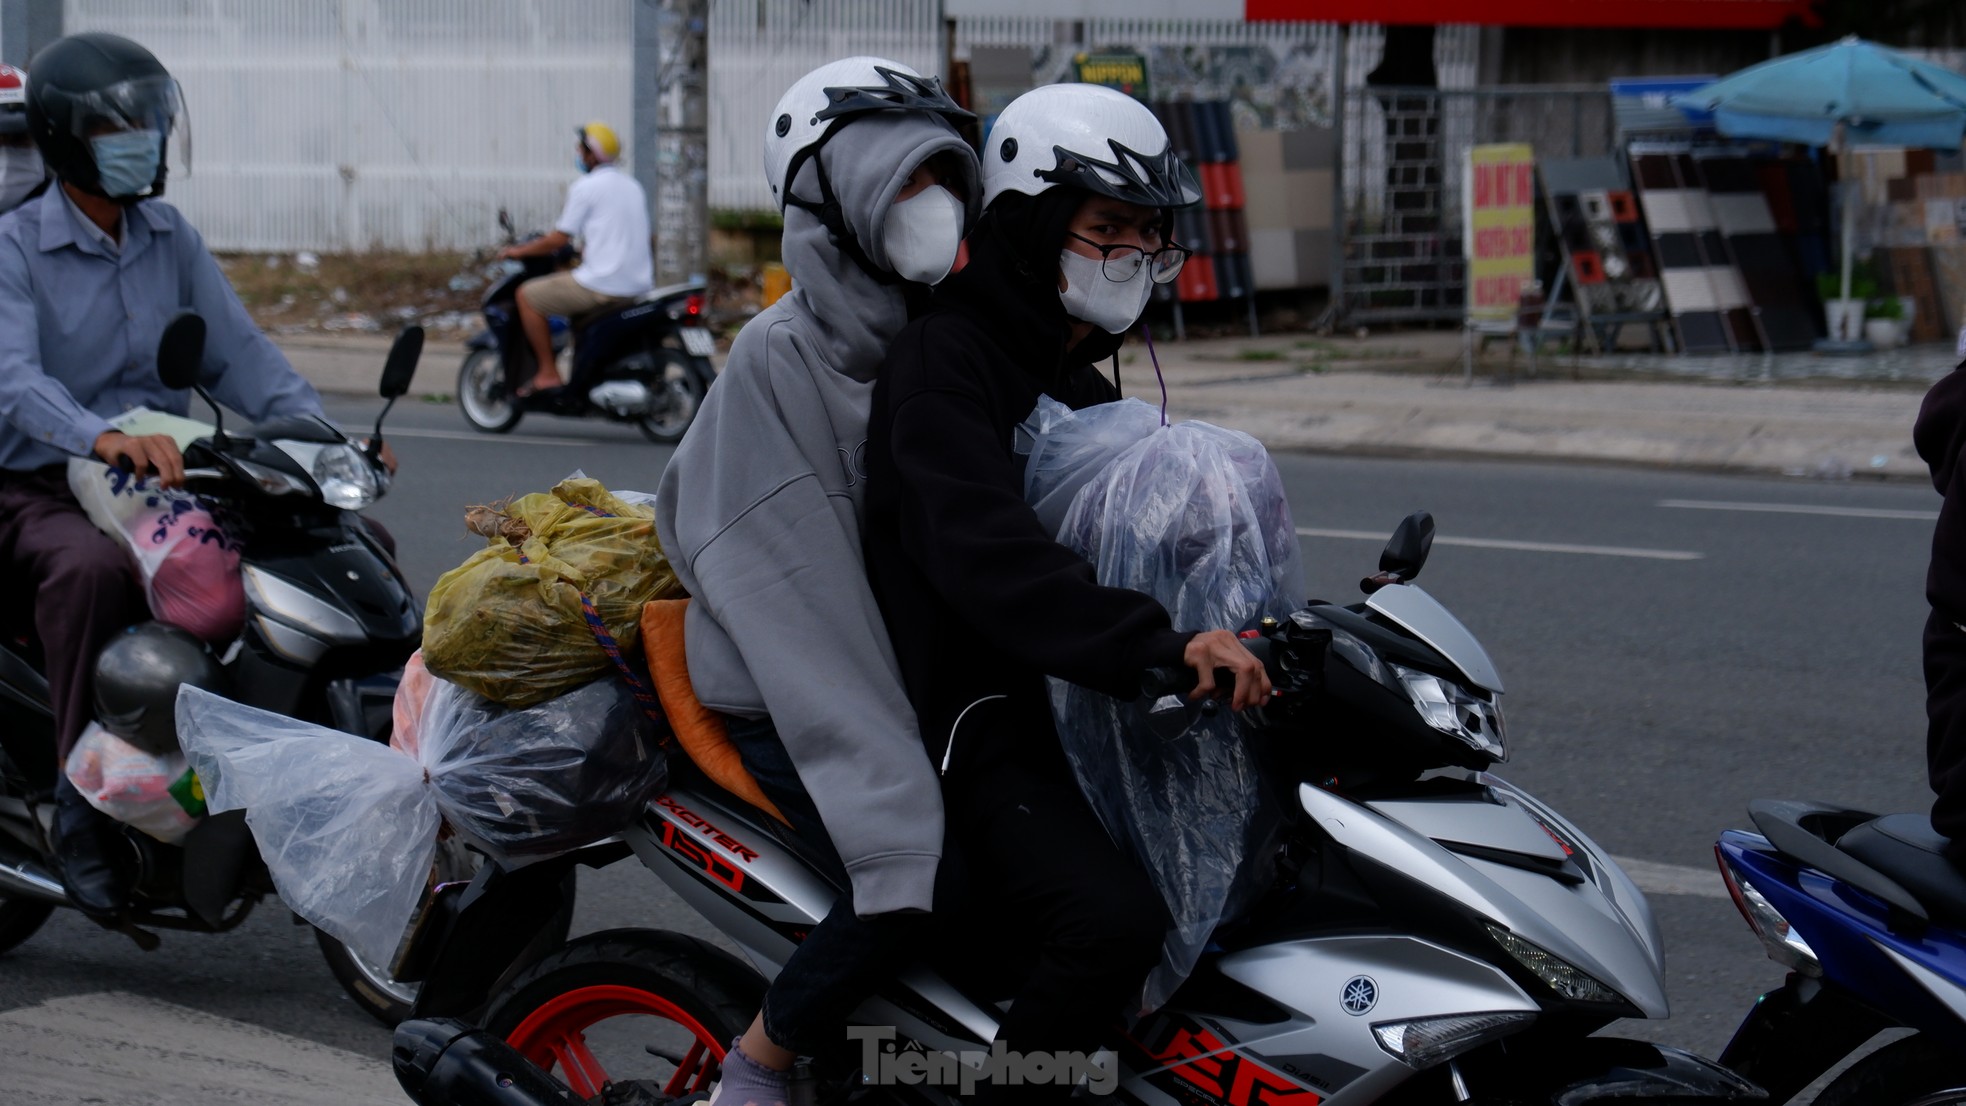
<point x="1744" y="15"/>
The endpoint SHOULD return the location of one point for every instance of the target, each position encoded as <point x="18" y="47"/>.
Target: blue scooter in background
<point x="647" y="363"/>
<point x="1870" y="917"/>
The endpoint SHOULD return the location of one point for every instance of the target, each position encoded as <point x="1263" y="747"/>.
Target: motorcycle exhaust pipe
<point x="446" y="1062"/>
<point x="26" y="879"/>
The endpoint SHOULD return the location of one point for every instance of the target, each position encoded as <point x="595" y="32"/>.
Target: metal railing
<point x="1403" y="149"/>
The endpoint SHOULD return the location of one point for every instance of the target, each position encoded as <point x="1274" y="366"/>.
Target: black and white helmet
<point x="813" y="107"/>
<point x="1087" y="136"/>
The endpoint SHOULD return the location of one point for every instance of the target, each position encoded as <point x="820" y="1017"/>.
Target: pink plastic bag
<point x="196" y="583"/>
<point x="189" y="568"/>
<point x="408" y="712"/>
<point x="158" y="795"/>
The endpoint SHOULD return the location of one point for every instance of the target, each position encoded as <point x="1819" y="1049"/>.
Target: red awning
<point x="1746" y="15"/>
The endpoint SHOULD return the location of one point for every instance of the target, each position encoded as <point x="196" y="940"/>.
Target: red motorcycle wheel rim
<point x="555" y="1036"/>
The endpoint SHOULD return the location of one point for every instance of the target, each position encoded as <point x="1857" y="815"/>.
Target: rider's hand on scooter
<point x="1221" y="649"/>
<point x="149" y="454"/>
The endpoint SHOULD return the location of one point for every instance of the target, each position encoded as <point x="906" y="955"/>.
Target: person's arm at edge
<point x="35" y="403"/>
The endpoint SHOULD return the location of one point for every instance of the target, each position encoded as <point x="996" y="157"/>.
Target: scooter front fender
<point x="1640" y="1070"/>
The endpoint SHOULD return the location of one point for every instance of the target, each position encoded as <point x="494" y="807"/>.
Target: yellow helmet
<point x="600" y="140"/>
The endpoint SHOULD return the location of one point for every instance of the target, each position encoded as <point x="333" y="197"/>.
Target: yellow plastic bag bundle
<point x="507" y="623"/>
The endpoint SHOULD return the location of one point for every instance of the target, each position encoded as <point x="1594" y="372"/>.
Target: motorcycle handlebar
<point x="1159" y="683"/>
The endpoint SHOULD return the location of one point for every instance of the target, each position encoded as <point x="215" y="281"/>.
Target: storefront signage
<point x="1499" y="196"/>
<point x="1126" y="72"/>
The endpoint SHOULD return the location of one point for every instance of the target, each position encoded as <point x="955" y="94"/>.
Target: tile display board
<point x="1216" y="229"/>
<point x="1610" y="268"/>
<point x="1289" y="178"/>
<point x="1705" y="292"/>
<point x="1729" y="273"/>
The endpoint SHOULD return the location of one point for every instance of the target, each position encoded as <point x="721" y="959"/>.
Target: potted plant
<point x="1845" y="317"/>
<point x="1884" y="323"/>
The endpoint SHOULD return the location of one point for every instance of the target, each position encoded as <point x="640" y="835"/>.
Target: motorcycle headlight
<point x="343" y="474"/>
<point x="1455" y="711"/>
<point x="1563" y="977"/>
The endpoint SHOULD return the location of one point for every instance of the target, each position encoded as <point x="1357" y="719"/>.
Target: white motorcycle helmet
<point x="1087" y="136"/>
<point x="810" y="111"/>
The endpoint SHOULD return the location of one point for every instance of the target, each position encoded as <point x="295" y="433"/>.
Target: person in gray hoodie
<point x="759" y="511"/>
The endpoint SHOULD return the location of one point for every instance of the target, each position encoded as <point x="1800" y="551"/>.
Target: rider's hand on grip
<point x="1224" y="665"/>
<point x="149" y="454"/>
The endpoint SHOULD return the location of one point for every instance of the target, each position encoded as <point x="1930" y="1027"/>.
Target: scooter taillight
<point x="1785" y="946"/>
<point x="693" y="306"/>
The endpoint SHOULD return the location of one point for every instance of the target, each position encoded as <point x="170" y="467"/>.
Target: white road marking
<point x="1655" y="878"/>
<point x="134" y="1051"/>
<point x="1522" y="546"/>
<point x="504" y="439"/>
<point x="1799" y="509"/>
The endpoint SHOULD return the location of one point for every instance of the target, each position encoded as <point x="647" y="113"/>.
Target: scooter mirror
<point x="398" y="371"/>
<point x="1407" y="552"/>
<point x="505" y="223"/>
<point x="181" y="352"/>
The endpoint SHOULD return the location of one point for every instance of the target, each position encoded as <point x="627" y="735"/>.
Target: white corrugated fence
<point x="365" y="124"/>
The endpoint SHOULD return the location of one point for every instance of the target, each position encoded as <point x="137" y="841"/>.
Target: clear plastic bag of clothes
<point x="1195" y="516"/>
<point x="348" y="827"/>
<point x="1068" y="448"/>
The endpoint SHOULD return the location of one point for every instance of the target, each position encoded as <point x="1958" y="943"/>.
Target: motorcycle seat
<point x="1906" y="848"/>
<point x="577" y="324"/>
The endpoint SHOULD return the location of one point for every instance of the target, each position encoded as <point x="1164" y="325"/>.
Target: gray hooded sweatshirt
<point x="760" y="509"/>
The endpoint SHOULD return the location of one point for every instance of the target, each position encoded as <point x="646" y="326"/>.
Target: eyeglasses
<point x="1119" y="260"/>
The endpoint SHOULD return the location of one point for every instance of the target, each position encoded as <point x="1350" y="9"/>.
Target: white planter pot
<point x="1883" y="333"/>
<point x="1845" y="318"/>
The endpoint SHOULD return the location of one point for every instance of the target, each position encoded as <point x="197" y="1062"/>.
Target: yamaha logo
<point x="1361" y="995"/>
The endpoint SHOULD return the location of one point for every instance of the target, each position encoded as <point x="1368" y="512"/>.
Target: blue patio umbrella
<point x="1849" y="93"/>
<point x="1878" y="97"/>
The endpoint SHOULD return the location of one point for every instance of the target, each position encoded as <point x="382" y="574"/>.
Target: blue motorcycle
<point x="1870" y="917"/>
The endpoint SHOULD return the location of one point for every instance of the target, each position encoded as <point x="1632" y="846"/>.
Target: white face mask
<point x="21" y="171"/>
<point x="1112" y="306"/>
<point x="922" y="233"/>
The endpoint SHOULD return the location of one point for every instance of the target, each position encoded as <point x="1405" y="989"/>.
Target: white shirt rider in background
<point x="609" y="213"/>
<point x="22" y="171"/>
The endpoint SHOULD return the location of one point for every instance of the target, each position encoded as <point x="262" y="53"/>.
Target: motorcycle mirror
<point x="400" y="368"/>
<point x="180" y="355"/>
<point x="397" y="372"/>
<point x="181" y="351"/>
<point x="1412" y="540"/>
<point x="505" y="224"/>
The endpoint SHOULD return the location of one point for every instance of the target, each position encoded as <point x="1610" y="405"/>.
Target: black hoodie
<point x="1940" y="435"/>
<point x="980" y="601"/>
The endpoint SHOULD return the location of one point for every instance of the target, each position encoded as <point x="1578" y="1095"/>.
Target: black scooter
<point x="330" y="620"/>
<point x="647" y="363"/>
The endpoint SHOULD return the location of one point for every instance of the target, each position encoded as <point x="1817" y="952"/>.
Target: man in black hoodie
<point x="1940" y="435"/>
<point x="980" y="601"/>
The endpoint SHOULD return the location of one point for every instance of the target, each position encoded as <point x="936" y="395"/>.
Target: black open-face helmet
<point x="93" y="84"/>
<point x="137" y="678"/>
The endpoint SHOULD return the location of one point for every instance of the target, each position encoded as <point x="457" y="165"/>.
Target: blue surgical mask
<point x="126" y="162"/>
<point x="580" y="163"/>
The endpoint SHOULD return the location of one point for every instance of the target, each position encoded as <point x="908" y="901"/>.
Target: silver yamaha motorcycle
<point x="1433" y="933"/>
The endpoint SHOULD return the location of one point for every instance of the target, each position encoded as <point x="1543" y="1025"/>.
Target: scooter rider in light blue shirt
<point x="90" y="273"/>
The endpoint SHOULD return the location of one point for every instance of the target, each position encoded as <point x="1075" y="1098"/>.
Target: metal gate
<point x="1403" y="148"/>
